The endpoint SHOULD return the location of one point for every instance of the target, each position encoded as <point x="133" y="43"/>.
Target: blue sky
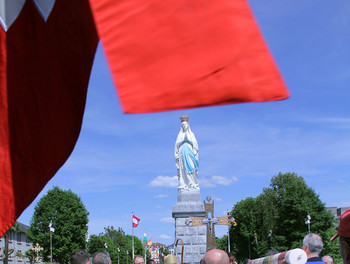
<point x="125" y="163"/>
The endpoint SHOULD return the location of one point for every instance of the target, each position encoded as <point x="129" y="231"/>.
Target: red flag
<point x="135" y="221"/>
<point x="44" y="73"/>
<point x="176" y="54"/>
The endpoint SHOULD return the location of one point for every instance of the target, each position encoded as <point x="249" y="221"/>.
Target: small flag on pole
<point x="232" y="220"/>
<point x="135" y="221"/>
<point x="144" y="236"/>
<point x="149" y="242"/>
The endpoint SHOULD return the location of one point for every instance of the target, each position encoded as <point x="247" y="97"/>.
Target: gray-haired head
<point x="314" y="243"/>
<point x="79" y="256"/>
<point x="101" y="257"/>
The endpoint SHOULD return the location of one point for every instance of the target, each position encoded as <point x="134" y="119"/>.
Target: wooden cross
<point x="209" y="220"/>
<point x="37" y="249"/>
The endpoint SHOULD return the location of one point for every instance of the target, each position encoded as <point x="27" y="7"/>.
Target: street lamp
<point x="51" y="229"/>
<point x="308" y="221"/>
<point x="127" y="257"/>
<point x="87" y="238"/>
<point x="118" y="254"/>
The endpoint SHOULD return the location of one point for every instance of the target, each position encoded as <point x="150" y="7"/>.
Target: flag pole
<point x="132" y="227"/>
<point x="228" y="235"/>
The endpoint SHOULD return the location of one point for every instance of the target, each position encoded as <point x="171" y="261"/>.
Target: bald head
<point x="216" y="256"/>
<point x="327" y="259"/>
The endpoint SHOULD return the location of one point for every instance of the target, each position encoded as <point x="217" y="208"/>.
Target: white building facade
<point x="19" y="242"/>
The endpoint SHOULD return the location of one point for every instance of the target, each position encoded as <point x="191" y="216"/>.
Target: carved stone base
<point x="194" y="238"/>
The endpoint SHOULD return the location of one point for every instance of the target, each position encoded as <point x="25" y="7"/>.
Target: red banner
<point x="177" y="54"/>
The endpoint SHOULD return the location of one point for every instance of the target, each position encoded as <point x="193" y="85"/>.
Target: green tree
<point x="295" y="200"/>
<point x="246" y="212"/>
<point x="95" y="244"/>
<point x="221" y="243"/>
<point x="30" y="254"/>
<point x="276" y="218"/>
<point x="69" y="219"/>
<point x="114" y="239"/>
<point x="331" y="248"/>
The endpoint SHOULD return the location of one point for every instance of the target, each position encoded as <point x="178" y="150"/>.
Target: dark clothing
<point x="315" y="260"/>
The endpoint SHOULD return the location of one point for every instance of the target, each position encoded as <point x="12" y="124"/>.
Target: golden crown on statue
<point x="184" y="118"/>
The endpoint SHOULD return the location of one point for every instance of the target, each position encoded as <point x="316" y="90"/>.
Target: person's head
<point x="327" y="259"/>
<point x="101" y="257"/>
<point x="216" y="256"/>
<point x="170" y="259"/>
<point x="271" y="252"/>
<point x="150" y="261"/>
<point x="312" y="245"/>
<point x="79" y="256"/>
<point x="231" y="257"/>
<point x="344" y="236"/>
<point x="139" y="260"/>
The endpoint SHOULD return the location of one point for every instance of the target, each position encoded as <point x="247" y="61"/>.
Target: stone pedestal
<point x="189" y="204"/>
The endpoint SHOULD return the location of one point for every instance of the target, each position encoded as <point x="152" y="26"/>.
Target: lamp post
<point x="228" y="233"/>
<point x="51" y="229"/>
<point x="308" y="221"/>
<point x="127" y="257"/>
<point x="270" y="237"/>
<point x="87" y="238"/>
<point x="118" y="254"/>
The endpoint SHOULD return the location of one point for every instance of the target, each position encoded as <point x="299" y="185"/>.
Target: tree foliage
<point x="30" y="254"/>
<point x="221" y="243"/>
<point x="113" y="239"/>
<point x="69" y="219"/>
<point x="276" y="218"/>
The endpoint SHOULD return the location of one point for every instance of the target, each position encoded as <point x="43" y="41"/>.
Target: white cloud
<point x="161" y="196"/>
<point x="205" y="183"/>
<point x="165" y="237"/>
<point x="216" y="180"/>
<point x="167" y="220"/>
<point x="164" y="181"/>
<point x="159" y="206"/>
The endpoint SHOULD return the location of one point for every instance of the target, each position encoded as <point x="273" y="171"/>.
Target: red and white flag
<point x="135" y="221"/>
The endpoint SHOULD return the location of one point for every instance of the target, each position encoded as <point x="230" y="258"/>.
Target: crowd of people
<point x="312" y="245"/>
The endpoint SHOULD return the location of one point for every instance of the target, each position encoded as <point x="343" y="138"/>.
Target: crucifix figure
<point x="37" y="249"/>
<point x="209" y="220"/>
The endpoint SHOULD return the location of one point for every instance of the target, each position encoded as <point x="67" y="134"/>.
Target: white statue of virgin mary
<point x="186" y="156"/>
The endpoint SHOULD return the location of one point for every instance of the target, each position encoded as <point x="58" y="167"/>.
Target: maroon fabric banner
<point x="44" y="74"/>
